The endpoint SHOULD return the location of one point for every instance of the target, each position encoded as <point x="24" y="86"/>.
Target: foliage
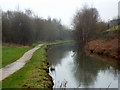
<point x="85" y="22"/>
<point x="26" y="28"/>
<point x="113" y="29"/>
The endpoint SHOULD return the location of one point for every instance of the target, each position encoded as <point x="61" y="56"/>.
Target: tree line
<point x="25" y="28"/>
<point x="87" y="25"/>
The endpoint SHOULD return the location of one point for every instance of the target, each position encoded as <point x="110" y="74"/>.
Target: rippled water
<point x="76" y="70"/>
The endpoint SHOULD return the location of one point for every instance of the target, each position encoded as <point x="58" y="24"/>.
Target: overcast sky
<point x="62" y="9"/>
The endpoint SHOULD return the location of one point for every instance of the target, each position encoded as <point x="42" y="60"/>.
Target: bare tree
<point x="85" y="24"/>
<point x="24" y="28"/>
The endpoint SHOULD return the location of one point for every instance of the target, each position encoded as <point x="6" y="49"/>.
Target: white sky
<point x="62" y="9"/>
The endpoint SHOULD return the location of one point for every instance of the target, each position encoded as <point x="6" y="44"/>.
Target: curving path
<point x="15" y="66"/>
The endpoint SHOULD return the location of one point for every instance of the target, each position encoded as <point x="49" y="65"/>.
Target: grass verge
<point x="33" y="75"/>
<point x="60" y="42"/>
<point x="11" y="54"/>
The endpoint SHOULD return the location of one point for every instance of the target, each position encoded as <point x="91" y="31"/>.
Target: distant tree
<point x="26" y="28"/>
<point x="28" y="12"/>
<point x="85" y="24"/>
<point x="6" y="26"/>
<point x="101" y="26"/>
<point x="50" y="32"/>
<point x="22" y="26"/>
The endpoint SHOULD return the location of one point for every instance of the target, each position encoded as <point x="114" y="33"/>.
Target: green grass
<point x="33" y="75"/>
<point x="0" y="64"/>
<point x="0" y="56"/>
<point x="12" y="53"/>
<point x="113" y="29"/>
<point x="109" y="32"/>
<point x="60" y="42"/>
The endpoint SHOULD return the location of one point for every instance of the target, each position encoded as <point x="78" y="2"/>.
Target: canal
<point x="71" y="68"/>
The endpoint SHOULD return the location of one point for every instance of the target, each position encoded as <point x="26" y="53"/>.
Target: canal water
<point x="71" y="68"/>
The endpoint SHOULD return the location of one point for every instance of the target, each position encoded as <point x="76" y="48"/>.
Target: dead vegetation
<point x="104" y="47"/>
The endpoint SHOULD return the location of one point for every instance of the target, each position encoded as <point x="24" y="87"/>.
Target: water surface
<point x="76" y="70"/>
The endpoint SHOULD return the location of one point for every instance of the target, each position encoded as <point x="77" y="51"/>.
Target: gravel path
<point x="18" y="64"/>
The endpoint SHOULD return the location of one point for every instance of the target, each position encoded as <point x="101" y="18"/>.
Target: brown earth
<point x="108" y="47"/>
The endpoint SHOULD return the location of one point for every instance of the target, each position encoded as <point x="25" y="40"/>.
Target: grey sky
<point x="62" y="9"/>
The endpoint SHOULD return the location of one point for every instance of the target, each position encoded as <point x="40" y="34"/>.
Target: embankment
<point x="105" y="47"/>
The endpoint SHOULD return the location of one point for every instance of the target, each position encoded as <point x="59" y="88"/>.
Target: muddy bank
<point x="108" y="47"/>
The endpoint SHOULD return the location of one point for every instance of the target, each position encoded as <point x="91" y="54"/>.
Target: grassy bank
<point x="33" y="75"/>
<point x="12" y="53"/>
<point x="60" y="42"/>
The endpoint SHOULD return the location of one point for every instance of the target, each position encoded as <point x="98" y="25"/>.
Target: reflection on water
<point x="76" y="70"/>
